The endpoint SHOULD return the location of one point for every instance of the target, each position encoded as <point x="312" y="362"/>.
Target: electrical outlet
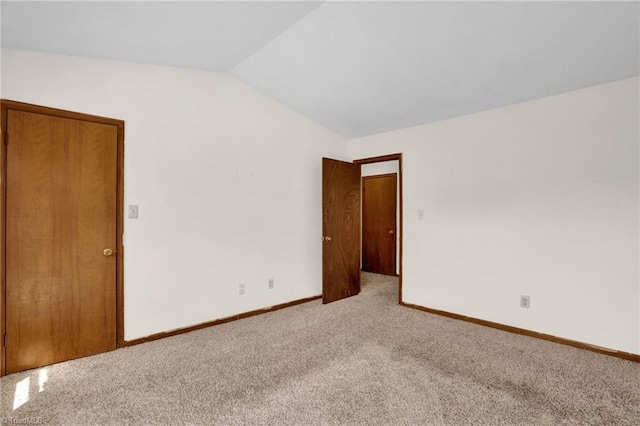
<point x="270" y="283"/>
<point x="524" y="302"/>
<point x="133" y="211"/>
<point x="241" y="289"/>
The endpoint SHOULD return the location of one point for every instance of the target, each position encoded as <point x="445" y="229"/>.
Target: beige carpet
<point x="361" y="361"/>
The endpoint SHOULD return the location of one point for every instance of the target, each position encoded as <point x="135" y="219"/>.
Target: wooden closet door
<point x="61" y="190"/>
<point x="379" y="224"/>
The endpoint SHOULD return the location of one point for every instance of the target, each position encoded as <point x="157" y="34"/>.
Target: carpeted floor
<point x="361" y="361"/>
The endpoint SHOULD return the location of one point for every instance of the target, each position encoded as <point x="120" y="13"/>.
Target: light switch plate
<point x="133" y="211"/>
<point x="420" y="214"/>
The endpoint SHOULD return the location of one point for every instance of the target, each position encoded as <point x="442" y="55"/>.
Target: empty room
<point x="320" y="213"/>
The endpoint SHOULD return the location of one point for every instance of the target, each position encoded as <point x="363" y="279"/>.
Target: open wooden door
<point x="340" y="230"/>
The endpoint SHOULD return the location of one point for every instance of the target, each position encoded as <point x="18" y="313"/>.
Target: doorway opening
<point x="382" y="231"/>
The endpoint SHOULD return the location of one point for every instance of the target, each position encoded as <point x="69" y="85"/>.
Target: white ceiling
<point x="202" y="35"/>
<point x="358" y="68"/>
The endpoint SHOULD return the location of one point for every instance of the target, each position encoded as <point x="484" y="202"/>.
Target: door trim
<point x="5" y="106"/>
<point x="380" y="159"/>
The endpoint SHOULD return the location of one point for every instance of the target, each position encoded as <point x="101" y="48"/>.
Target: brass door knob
<point x="327" y="238"/>
<point x="391" y="231"/>
<point x="107" y="252"/>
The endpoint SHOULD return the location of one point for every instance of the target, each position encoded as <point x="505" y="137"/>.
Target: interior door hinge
<point x="6" y="138"/>
<point x="4" y="340"/>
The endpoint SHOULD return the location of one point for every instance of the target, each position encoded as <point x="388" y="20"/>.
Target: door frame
<point x="381" y="159"/>
<point x="5" y="106"/>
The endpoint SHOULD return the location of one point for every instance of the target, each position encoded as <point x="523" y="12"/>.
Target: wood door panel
<point x="341" y="223"/>
<point x="379" y="231"/>
<point x="61" y="213"/>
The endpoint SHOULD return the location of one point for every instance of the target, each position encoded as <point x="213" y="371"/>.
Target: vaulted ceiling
<point x="358" y="68"/>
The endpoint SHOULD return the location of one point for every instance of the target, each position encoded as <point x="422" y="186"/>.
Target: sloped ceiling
<point x="358" y="68"/>
<point x="202" y="35"/>
<point x="369" y="68"/>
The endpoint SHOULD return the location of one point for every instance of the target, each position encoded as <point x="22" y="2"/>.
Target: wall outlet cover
<point x="133" y="211"/>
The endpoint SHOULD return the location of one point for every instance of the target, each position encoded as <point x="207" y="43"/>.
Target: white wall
<point x="537" y="199"/>
<point x="228" y="182"/>
<point x="381" y="168"/>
